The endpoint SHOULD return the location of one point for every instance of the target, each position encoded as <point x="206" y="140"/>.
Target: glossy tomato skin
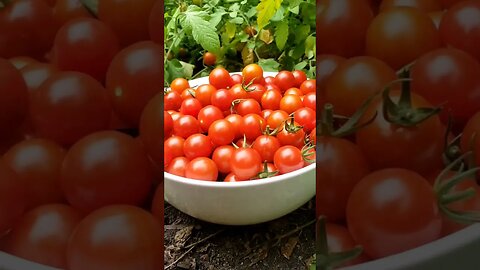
<point x="460" y="27"/>
<point x="338" y="17"/>
<point x="93" y="42"/>
<point x="151" y="130"/>
<point x="22" y="61"/>
<point x="68" y="106"/>
<point x="27" y="28"/>
<point x="400" y="35"/>
<point x="423" y="5"/>
<point x="288" y="159"/>
<point x="42" y="234"/>
<point x="136" y="28"/>
<point x="13" y="197"/>
<point x="391" y="211"/>
<point x="471" y="133"/>
<point x="177" y="166"/>
<point x="448" y="77"/>
<point x="202" y="168"/>
<point x="197" y="145"/>
<point x="354" y="81"/>
<point x="209" y="59"/>
<point x="37" y="162"/>
<point x="155" y="22"/>
<point x="340" y="240"/>
<point x="245" y="163"/>
<point x="174" y="145"/>
<point x="110" y="166"/>
<point x="221" y="132"/>
<point x="334" y="183"/>
<point x="266" y="146"/>
<point x="220" y="78"/>
<point x="134" y="77"/>
<point x="65" y="10"/>
<point x="13" y="97"/>
<point x="252" y="73"/>
<point x="118" y="231"/>
<point x="185" y="126"/>
<point x="37" y="73"/>
<point x="388" y="145"/>
<point x="221" y="156"/>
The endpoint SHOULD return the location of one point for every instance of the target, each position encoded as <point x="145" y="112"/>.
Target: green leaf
<point x="251" y="12"/>
<point x="234" y="7"/>
<point x="230" y="29"/>
<point x="266" y="9"/>
<point x="237" y="20"/>
<point x="174" y="69"/>
<point x="294" y="10"/>
<point x="195" y="22"/>
<point x="301" y="65"/>
<point x="301" y="33"/>
<point x="187" y="69"/>
<point x="310" y="47"/>
<point x="298" y="51"/>
<point x="279" y="15"/>
<point x="216" y="17"/>
<point x="269" y="64"/>
<point x="281" y="34"/>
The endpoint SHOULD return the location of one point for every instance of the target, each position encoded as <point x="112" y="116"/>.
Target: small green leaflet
<point x="237" y="20"/>
<point x="195" y="21"/>
<point x="269" y="64"/>
<point x="310" y="47"/>
<point x="281" y="34"/>
<point x="266" y="9"/>
<point x="301" y="65"/>
<point x="230" y="29"/>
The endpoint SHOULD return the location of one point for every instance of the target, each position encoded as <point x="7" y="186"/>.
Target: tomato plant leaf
<point x="279" y="15"/>
<point x="301" y="65"/>
<point x="269" y="64"/>
<point x="195" y="21"/>
<point x="230" y="29"/>
<point x="217" y="17"/>
<point x="237" y="20"/>
<point x="266" y="10"/>
<point x="301" y="33"/>
<point x="310" y="47"/>
<point x="266" y="36"/>
<point x="281" y="34"/>
<point x="251" y="12"/>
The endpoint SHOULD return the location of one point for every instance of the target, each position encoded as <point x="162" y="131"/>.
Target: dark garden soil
<point x="285" y="243"/>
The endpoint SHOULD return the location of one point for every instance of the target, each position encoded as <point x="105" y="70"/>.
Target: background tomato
<point x="209" y="59"/>
<point x="13" y="197"/>
<point x="151" y="129"/>
<point x="155" y="22"/>
<point x="423" y="5"/>
<point x="65" y="10"/>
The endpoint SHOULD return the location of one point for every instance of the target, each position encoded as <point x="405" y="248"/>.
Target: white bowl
<point x="240" y="203"/>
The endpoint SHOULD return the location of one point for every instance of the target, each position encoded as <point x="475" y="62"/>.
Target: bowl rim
<point x="247" y="183"/>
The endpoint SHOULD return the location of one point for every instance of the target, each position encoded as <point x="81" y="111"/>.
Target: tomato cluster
<point x="77" y="188"/>
<point x="400" y="96"/>
<point x="238" y="127"/>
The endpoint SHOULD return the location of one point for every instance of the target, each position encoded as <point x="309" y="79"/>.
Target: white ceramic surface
<point x="240" y="203"/>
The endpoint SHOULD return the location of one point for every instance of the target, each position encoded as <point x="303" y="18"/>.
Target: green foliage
<point x="276" y="34"/>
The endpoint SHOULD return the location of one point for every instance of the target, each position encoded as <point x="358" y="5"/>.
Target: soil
<point x="285" y="243"/>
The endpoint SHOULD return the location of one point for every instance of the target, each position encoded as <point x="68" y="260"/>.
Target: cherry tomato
<point x="208" y="115"/>
<point x="237" y="79"/>
<point x="68" y="106"/>
<point x="252" y="73"/>
<point x="252" y="126"/>
<point x="266" y="146"/>
<point x="175" y="145"/>
<point x="136" y="28"/>
<point x="13" y="197"/>
<point x="13" y="97"/>
<point x="155" y="23"/>
<point x="185" y="126"/>
<point x="335" y="184"/>
<point x="109" y="166"/>
<point x="136" y="237"/>
<point x="308" y="86"/>
<point x="276" y="119"/>
<point x="93" y="42"/>
<point x="202" y="168"/>
<point x="300" y="77"/>
<point x="335" y="18"/>
<point x="448" y="77"/>
<point x="266" y="113"/>
<point x="221" y="132"/>
<point x="204" y="94"/>
<point x="356" y="80"/>
<point x="245" y="163"/>
<point x="238" y="92"/>
<point x="222" y="156"/>
<point x="66" y="10"/>
<point x="231" y="178"/>
<point x="290" y="103"/>
<point x="22" y="61"/>
<point x="179" y="84"/>
<point x="191" y="106"/>
<point x="42" y="234"/>
<point x="310" y="101"/>
<point x="220" y="78"/>
<point x="340" y="240"/>
<point x="285" y="80"/>
<point x="248" y="106"/>
<point x="414" y="35"/>
<point x="293" y="91"/>
<point x="288" y="159"/>
<point x="271" y="99"/>
<point x="423" y="5"/>
<point x="37" y="162"/>
<point x="135" y="75"/>
<point x="306" y="118"/>
<point x="222" y="99"/>
<point x="197" y="145"/>
<point x="291" y="138"/>
<point x="36" y="74"/>
<point x="256" y="91"/>
<point x="327" y="64"/>
<point x="177" y="166"/>
<point x="172" y="101"/>
<point x="167" y="124"/>
<point x="188" y="93"/>
<point x="236" y="121"/>
<point x="391" y="211"/>
<point x="209" y="59"/>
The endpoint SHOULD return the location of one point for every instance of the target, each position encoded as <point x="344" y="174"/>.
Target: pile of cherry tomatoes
<point x="239" y="126"/>
<point x="76" y="190"/>
<point x="399" y="89"/>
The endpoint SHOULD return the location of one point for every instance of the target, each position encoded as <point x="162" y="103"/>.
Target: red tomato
<point x="238" y="92"/>
<point x="327" y="64"/>
<point x="68" y="106"/>
<point x="42" y="234"/>
<point x="276" y="119"/>
<point x="177" y="166"/>
<point x="290" y="103"/>
<point x="172" y="101"/>
<point x="252" y="126"/>
<point x="245" y="163"/>
<point x="237" y="79"/>
<point x="423" y="5"/>
<point x="236" y="121"/>
<point x="460" y="27"/>
<point x="110" y="167"/>
<point x="296" y="138"/>
<point x="37" y="162"/>
<point x="340" y="240"/>
<point x="221" y="132"/>
<point x="391" y="211"/>
<point x="208" y="115"/>
<point x="414" y="35"/>
<point x="266" y="113"/>
<point x="448" y="77"/>
<point x="66" y="10"/>
<point x="179" y="85"/>
<point x="155" y="23"/>
<point x="288" y="159"/>
<point x="284" y="80"/>
<point x="197" y="145"/>
<point x="209" y="59"/>
<point x="202" y="168"/>
<point x="93" y="42"/>
<point x="231" y="178"/>
<point x="220" y="78"/>
<point x="310" y="101"/>
<point x="356" y="80"/>
<point x="271" y="99"/>
<point x="334" y="183"/>
<point x="37" y="73"/>
<point x="136" y="237"/>
<point x="388" y="145"/>
<point x="135" y="74"/>
<point x="335" y="18"/>
<point x="300" y="77"/>
<point x="22" y="61"/>
<point x="174" y="145"/>
<point x="188" y="93"/>
<point x="204" y="94"/>
<point x="293" y="91"/>
<point x="13" y="197"/>
<point x="256" y="91"/>
<point x="306" y="118"/>
<point x="252" y="73"/>
<point x="136" y="28"/>
<point x="266" y="146"/>
<point x="248" y="106"/>
<point x="222" y="156"/>
<point x="191" y="106"/>
<point x="308" y="86"/>
<point x="222" y="99"/>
